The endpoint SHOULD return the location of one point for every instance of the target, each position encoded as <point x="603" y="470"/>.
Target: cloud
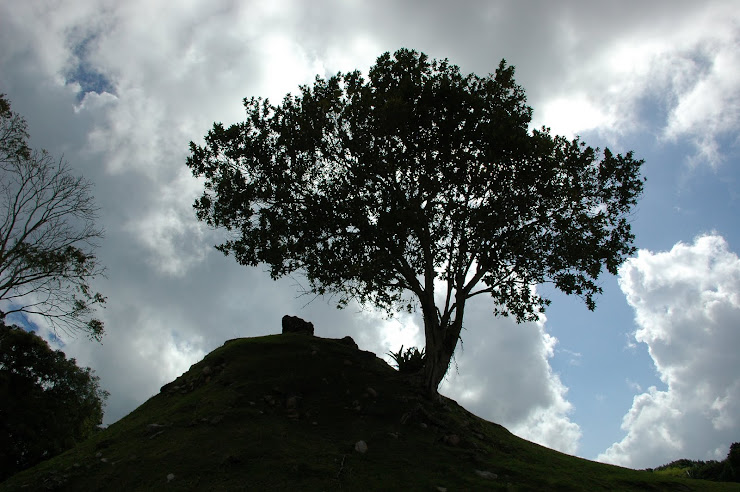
<point x="685" y="64"/>
<point x="502" y="373"/>
<point x="687" y="308"/>
<point x="153" y="77"/>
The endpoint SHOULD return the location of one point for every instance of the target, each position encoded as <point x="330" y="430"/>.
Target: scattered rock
<point x="356" y="406"/>
<point x="170" y="477"/>
<point x="442" y="489"/>
<point x="423" y="425"/>
<point x="294" y="324"/>
<point x="291" y="402"/>
<point x="154" y="430"/>
<point x="452" y="440"/>
<point x="372" y="392"/>
<point x="361" y="447"/>
<point x="486" y="474"/>
<point x="217" y="419"/>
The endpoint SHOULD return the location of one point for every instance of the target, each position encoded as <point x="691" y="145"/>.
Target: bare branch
<point x="47" y="235"/>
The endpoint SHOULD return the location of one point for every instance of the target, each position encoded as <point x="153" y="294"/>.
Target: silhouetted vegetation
<point x="47" y="234"/>
<point x="381" y="190"/>
<point x="410" y="361"/>
<point x="47" y="403"/>
<point x="727" y="470"/>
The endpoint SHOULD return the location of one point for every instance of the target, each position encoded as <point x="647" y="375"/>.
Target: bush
<point x="47" y="403"/>
<point x="410" y="361"/>
<point x="727" y="470"/>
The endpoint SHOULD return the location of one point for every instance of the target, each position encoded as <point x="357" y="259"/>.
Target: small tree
<point x="47" y="234"/>
<point x="418" y="181"/>
<point x="47" y="403"/>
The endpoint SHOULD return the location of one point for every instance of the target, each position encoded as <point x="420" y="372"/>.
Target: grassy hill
<point x="286" y="412"/>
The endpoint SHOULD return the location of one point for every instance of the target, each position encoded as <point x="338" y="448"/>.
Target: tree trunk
<point x="440" y="346"/>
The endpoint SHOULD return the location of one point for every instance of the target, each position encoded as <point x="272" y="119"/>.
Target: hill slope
<point x="287" y="412"/>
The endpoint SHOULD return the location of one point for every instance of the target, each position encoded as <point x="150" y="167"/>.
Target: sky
<point x="652" y="375"/>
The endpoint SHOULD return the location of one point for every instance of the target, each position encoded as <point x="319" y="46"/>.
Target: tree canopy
<point x="47" y="234"/>
<point x="417" y="185"/>
<point x="47" y="403"/>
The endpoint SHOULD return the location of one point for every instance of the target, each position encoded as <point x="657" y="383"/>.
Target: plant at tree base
<point x="381" y="190"/>
<point x="410" y="361"/>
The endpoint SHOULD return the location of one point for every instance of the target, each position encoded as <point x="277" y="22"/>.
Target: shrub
<point x="410" y="361"/>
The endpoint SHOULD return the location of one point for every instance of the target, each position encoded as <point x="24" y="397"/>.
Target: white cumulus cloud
<point x="687" y="308"/>
<point x="503" y="374"/>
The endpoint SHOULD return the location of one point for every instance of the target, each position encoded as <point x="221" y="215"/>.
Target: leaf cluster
<point x="410" y="361"/>
<point x="376" y="188"/>
<point x="47" y="403"/>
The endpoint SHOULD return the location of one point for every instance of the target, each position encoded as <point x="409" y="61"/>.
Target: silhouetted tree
<point x="47" y="234"/>
<point x="416" y="182"/>
<point x="47" y="403"/>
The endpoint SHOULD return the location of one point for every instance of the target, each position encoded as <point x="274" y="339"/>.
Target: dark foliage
<point x="727" y="470"/>
<point x="47" y="403"/>
<point x="383" y="189"/>
<point x="410" y="361"/>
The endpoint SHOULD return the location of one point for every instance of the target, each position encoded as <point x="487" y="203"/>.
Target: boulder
<point x="294" y="324"/>
<point x="349" y="342"/>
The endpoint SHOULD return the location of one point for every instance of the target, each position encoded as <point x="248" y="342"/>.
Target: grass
<point x="284" y="412"/>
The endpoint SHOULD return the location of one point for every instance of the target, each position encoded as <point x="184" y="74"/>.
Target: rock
<point x="442" y="489"/>
<point x="349" y="341"/>
<point x="361" y="447"/>
<point x="372" y="392"/>
<point x="291" y="402"/>
<point x="170" y="477"/>
<point x="452" y="440"/>
<point x="294" y="324"/>
<point x="486" y="474"/>
<point x="207" y="371"/>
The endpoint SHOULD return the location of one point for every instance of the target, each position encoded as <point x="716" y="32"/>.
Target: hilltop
<point x="296" y="412"/>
